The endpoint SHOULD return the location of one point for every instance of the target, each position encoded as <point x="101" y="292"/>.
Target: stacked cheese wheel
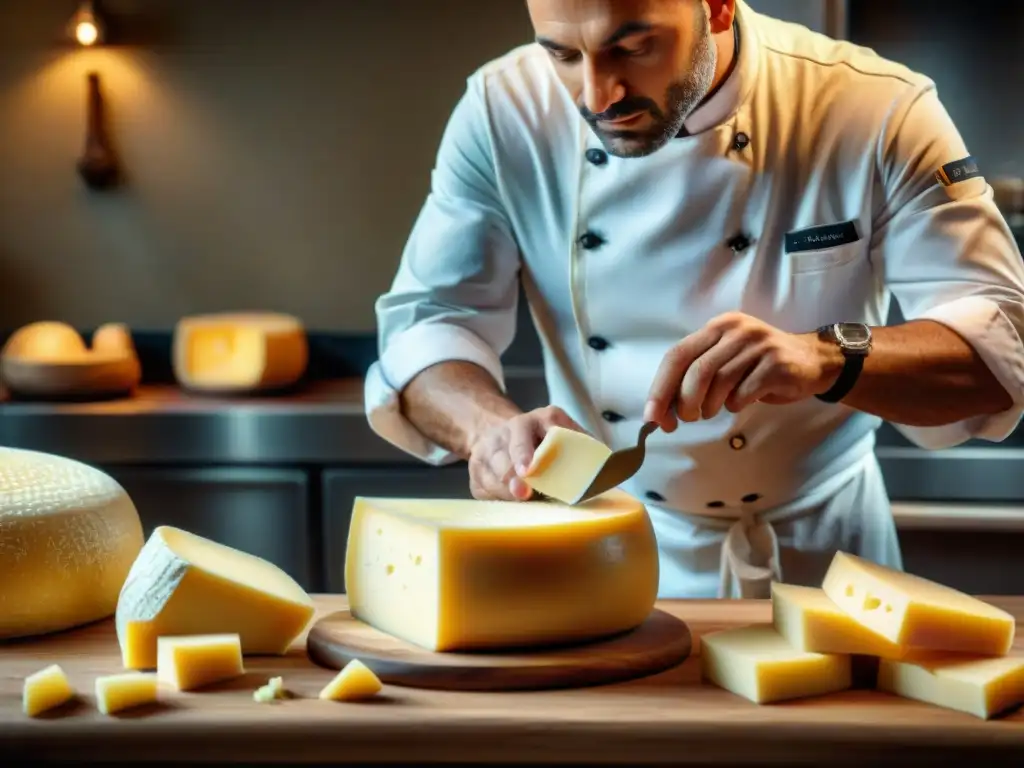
<point x="921" y="640"/>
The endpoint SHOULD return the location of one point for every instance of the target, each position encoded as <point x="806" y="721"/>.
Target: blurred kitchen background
<point x="274" y="157"/>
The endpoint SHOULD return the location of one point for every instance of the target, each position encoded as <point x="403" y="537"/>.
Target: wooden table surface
<point x="670" y="718"/>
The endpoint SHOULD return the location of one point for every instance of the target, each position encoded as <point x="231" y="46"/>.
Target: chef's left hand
<point x="736" y="360"/>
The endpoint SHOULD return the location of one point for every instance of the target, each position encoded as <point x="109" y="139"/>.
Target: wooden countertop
<point x="671" y="718"/>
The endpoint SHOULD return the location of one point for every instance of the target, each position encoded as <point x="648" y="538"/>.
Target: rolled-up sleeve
<point x="455" y="294"/>
<point x="947" y="254"/>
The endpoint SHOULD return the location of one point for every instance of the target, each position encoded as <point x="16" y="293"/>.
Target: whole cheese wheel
<point x="239" y="352"/>
<point x="69" y="534"/>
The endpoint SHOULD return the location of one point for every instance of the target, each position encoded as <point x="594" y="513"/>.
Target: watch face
<point x="854" y="335"/>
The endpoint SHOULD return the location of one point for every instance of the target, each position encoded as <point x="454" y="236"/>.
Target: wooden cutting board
<point x="661" y="642"/>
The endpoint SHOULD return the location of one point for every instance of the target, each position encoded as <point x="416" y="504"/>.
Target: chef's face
<point x="636" y="68"/>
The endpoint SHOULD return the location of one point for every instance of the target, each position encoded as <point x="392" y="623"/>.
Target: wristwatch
<point x="854" y="339"/>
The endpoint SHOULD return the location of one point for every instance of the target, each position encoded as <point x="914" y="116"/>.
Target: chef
<point x="709" y="211"/>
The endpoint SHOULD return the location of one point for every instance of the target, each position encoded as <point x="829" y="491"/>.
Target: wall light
<point x="86" y="26"/>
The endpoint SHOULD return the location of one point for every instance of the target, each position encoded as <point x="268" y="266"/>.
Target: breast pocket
<point x="830" y="277"/>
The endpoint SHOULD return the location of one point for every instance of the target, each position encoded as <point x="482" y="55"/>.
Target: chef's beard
<point x="681" y="98"/>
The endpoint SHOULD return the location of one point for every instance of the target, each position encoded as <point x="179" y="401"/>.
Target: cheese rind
<point x="912" y="611"/>
<point x="565" y="464"/>
<point x="239" y="351"/>
<point x="115" y="693"/>
<point x="184" y="584"/>
<point x="757" y="663"/>
<point x="810" y="621"/>
<point x="195" y="661"/>
<point x="68" y="536"/>
<point x="45" y="690"/>
<point x="355" y="682"/>
<point x="983" y="687"/>
<point x="461" y="574"/>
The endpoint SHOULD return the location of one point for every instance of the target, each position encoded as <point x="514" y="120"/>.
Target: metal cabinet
<point x="342" y="486"/>
<point x="265" y="512"/>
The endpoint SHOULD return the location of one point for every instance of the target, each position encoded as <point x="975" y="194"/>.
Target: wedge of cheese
<point x="810" y="621"/>
<point x="983" y="687"/>
<point x="183" y="584"/>
<point x="196" y="661"/>
<point x="239" y="352"/>
<point x="911" y="611"/>
<point x="565" y="464"/>
<point x="115" y="693"/>
<point x="45" y="690"/>
<point x="757" y="663"/>
<point x="355" y="682"/>
<point x="68" y="536"/>
<point x="461" y="574"/>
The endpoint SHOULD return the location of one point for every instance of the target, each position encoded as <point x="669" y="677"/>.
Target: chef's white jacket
<point x="819" y="180"/>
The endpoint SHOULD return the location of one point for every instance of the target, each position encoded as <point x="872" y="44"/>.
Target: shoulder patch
<point x="957" y="171"/>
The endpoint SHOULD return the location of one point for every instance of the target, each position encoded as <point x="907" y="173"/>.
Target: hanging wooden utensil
<point x="97" y="166"/>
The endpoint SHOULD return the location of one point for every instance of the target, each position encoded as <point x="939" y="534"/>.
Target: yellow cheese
<point x="233" y="352"/>
<point x="68" y="536"/>
<point x="46" y="689"/>
<point x="115" y="693"/>
<point x="460" y="574"/>
<point x="757" y="663"/>
<point x="911" y="611"/>
<point x="355" y="682"/>
<point x="183" y="584"/>
<point x="45" y="341"/>
<point x="810" y="621"/>
<point x="194" y="661"/>
<point x="565" y="464"/>
<point x="274" y="689"/>
<point x="982" y="687"/>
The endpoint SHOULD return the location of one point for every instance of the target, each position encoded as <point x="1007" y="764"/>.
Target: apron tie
<point x="750" y="559"/>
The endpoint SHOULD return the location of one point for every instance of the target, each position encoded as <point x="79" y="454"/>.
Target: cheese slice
<point x="68" y="536"/>
<point x="355" y="682"/>
<point x="195" y="661"/>
<point x="912" y="611"/>
<point x="45" y="690"/>
<point x="757" y="663"/>
<point x="115" y="693"/>
<point x="184" y="584"/>
<point x="810" y="621"/>
<point x="565" y="464"/>
<point x="983" y="687"/>
<point x="461" y="574"/>
<point x="237" y="352"/>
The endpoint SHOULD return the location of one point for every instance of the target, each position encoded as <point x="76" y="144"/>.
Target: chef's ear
<point x="720" y="14"/>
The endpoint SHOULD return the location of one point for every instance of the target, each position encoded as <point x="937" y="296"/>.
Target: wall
<point x="277" y="153"/>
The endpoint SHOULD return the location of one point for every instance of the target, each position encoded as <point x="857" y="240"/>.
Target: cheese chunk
<point x="565" y="464"/>
<point x="183" y="584"/>
<point x="461" y="574"/>
<point x="195" y="661"/>
<point x="274" y="689"/>
<point x="68" y="536"/>
<point x="237" y="352"/>
<point x="757" y="663"/>
<point x="911" y="611"/>
<point x="45" y="341"/>
<point x="355" y="682"/>
<point x="810" y="621"/>
<point x="982" y="687"/>
<point x="115" y="693"/>
<point x="46" y="689"/>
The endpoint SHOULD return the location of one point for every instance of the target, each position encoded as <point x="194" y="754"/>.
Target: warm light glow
<point x="86" y="26"/>
<point x="86" y="32"/>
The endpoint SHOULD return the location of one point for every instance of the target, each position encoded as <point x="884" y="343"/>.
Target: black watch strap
<point x="847" y="378"/>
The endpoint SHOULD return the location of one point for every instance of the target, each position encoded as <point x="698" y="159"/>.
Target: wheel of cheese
<point x="69" y="534"/>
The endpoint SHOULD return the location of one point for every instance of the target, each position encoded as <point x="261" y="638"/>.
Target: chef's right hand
<point x="501" y="456"/>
